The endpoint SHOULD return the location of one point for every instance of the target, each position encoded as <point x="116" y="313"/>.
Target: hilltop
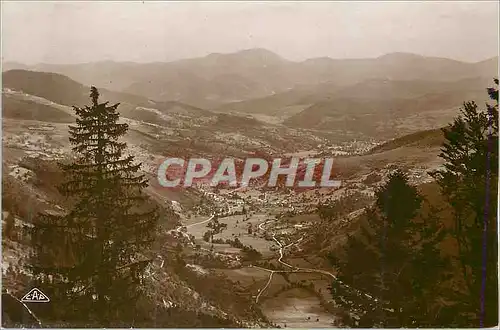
<point x="424" y="139"/>
<point x="216" y="79"/>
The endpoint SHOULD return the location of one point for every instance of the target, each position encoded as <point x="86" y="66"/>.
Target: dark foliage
<point x="91" y="260"/>
<point x="387" y="273"/>
<point x="469" y="183"/>
<point x="393" y="272"/>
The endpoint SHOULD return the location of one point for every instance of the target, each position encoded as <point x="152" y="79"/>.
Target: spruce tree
<point x="91" y="259"/>
<point x="397" y="200"/>
<point x="469" y="182"/>
<point x="394" y="259"/>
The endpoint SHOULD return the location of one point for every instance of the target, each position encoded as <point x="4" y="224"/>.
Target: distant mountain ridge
<point x="448" y="93"/>
<point x="64" y="91"/>
<point x="373" y="105"/>
<point x="216" y="79"/>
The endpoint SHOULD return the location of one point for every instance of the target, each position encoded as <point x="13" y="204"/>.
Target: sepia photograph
<point x="249" y="164"/>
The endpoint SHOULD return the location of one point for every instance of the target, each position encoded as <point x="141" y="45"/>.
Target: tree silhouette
<point x="397" y="200"/>
<point x="392" y="261"/>
<point x="91" y="259"/>
<point x="469" y="182"/>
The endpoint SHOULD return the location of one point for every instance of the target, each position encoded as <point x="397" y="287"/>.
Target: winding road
<point x="179" y="229"/>
<point x="298" y="269"/>
<point x="282" y="248"/>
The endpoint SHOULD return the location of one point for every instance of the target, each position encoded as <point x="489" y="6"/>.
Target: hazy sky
<point x="71" y="32"/>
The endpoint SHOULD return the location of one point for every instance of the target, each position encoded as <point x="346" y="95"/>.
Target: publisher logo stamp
<point x="35" y="296"/>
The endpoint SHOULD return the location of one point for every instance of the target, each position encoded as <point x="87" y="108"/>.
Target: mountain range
<point x="370" y="115"/>
<point x="216" y="79"/>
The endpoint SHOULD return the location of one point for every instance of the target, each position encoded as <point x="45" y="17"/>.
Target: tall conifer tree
<point x="469" y="182"/>
<point x="91" y="260"/>
<point x="393" y="257"/>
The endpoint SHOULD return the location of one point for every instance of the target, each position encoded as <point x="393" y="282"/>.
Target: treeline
<point x="249" y="253"/>
<point x="422" y="260"/>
